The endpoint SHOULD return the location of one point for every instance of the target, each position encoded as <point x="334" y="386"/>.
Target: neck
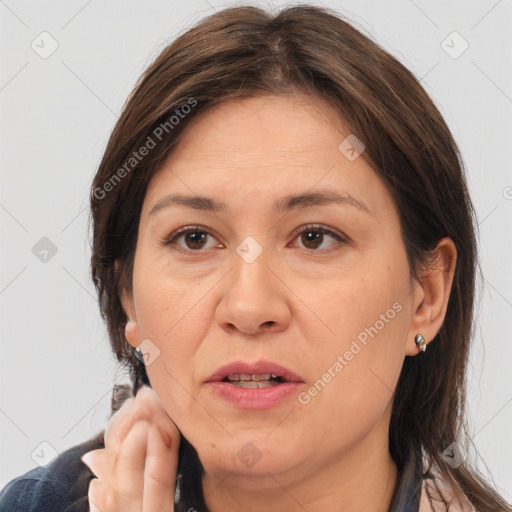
<point x="363" y="478"/>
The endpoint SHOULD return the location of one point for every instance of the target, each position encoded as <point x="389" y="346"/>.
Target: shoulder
<point x="62" y="485"/>
<point x="438" y="495"/>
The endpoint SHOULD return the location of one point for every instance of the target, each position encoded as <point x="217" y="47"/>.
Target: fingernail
<point x="86" y="459"/>
<point x="167" y="440"/>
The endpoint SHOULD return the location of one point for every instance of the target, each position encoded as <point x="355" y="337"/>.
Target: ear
<point x="132" y="327"/>
<point x="431" y="294"/>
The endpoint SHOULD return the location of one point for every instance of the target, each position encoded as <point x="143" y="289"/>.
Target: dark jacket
<point x="61" y="486"/>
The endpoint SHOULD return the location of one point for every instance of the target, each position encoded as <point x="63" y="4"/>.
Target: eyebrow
<point x="285" y="204"/>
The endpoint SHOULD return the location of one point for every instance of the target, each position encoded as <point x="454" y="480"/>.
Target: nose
<point x="254" y="299"/>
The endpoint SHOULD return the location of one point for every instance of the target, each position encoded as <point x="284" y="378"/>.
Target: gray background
<point x="56" y="114"/>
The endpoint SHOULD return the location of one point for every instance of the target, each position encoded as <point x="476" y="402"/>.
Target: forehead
<point x="266" y="146"/>
<point x="274" y="127"/>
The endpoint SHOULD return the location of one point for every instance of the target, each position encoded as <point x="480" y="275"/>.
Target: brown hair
<point x="245" y="51"/>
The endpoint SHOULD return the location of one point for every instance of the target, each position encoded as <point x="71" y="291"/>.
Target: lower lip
<point x="254" y="398"/>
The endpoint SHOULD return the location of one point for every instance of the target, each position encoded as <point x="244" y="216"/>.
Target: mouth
<point x="254" y="386"/>
<point x="244" y="380"/>
<point x="260" y="374"/>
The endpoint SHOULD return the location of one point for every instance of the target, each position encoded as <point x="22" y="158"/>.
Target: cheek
<point x="356" y="366"/>
<point x="366" y="306"/>
<point x="176" y="313"/>
<point x="354" y="379"/>
<point x="172" y="314"/>
<point x="168" y="308"/>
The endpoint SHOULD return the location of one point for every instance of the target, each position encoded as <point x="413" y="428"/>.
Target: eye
<point x="313" y="235"/>
<point x="194" y="238"/>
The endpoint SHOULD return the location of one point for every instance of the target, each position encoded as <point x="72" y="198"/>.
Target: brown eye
<point x="194" y="239"/>
<point x="312" y="237"/>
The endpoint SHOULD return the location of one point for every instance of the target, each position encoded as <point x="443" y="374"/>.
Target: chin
<point x="246" y="454"/>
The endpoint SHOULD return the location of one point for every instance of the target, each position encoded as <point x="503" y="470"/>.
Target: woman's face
<point x="318" y="286"/>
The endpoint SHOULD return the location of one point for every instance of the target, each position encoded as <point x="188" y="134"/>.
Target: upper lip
<point x="260" y="367"/>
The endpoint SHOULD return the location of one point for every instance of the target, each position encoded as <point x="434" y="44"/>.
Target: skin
<point x="300" y="303"/>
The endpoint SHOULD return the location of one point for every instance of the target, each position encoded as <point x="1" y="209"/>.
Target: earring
<point x="138" y="354"/>
<point x="420" y="341"/>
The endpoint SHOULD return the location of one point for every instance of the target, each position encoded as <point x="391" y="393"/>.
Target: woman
<point x="285" y="257"/>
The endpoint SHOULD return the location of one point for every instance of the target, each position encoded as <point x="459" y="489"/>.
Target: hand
<point x="136" y="471"/>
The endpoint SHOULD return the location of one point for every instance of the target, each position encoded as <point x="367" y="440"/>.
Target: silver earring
<point x="420" y="341"/>
<point x="138" y="354"/>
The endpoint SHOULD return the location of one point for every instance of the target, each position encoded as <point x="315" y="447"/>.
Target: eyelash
<point x="171" y="240"/>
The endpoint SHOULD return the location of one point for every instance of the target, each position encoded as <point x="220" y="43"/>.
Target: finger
<point x="129" y="468"/>
<point x="99" y="496"/>
<point x="102" y="463"/>
<point x="153" y="410"/>
<point x="119" y="424"/>
<point x="122" y="472"/>
<point x="159" y="473"/>
<point x="145" y="406"/>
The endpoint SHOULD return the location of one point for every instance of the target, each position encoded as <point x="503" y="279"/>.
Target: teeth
<point x="246" y="377"/>
<point x="253" y="384"/>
